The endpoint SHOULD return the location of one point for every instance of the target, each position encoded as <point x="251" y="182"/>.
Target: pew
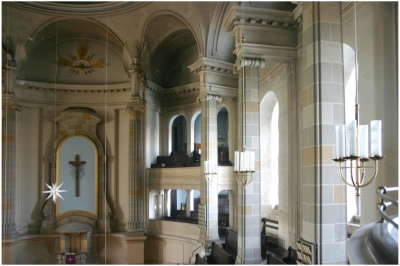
<point x="231" y="243"/>
<point x="268" y="240"/>
<point x="292" y="256"/>
<point x="199" y="260"/>
<point x="182" y="219"/>
<point x="272" y="259"/>
<point x="181" y="160"/>
<point x="219" y="256"/>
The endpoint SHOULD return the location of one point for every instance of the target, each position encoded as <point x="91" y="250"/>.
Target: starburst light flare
<point x="54" y="191"/>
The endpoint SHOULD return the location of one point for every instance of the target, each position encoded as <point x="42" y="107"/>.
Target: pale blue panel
<point x="87" y="174"/>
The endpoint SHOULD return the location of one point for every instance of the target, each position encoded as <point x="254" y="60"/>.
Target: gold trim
<point x="96" y="158"/>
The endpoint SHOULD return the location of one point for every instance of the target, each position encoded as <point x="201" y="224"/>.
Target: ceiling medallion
<point x="83" y="63"/>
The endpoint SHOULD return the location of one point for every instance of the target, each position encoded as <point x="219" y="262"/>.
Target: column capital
<point x="208" y="97"/>
<point x="135" y="104"/>
<point x="10" y="101"/>
<point x="242" y="62"/>
<point x="135" y="68"/>
<point x="240" y="15"/>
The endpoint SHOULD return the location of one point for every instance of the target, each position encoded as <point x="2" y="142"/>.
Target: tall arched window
<point x="177" y="133"/>
<point x="353" y="207"/>
<point x="269" y="146"/>
<point x="274" y="197"/>
<point x="223" y="136"/>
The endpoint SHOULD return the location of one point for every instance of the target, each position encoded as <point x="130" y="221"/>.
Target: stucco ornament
<point x="82" y="62"/>
<point x="54" y="191"/>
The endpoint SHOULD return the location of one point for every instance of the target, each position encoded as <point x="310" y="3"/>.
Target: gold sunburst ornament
<point x="83" y="63"/>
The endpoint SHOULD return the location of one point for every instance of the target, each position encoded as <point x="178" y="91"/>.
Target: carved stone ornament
<point x="82" y="62"/>
<point x="10" y="102"/>
<point x="257" y="62"/>
<point x="209" y="97"/>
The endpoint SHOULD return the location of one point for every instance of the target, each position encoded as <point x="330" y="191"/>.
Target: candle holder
<point x="359" y="169"/>
<point x="244" y="167"/>
<point x="210" y="170"/>
<point x="357" y="148"/>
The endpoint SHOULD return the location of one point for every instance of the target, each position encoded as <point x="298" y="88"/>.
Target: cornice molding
<point x="153" y="88"/>
<point x="188" y="89"/>
<point x="185" y="90"/>
<point x="69" y="88"/>
<point x="239" y="15"/>
<point x="212" y="65"/>
<point x="258" y="54"/>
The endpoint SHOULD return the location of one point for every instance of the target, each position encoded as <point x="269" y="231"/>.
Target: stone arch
<point x="192" y="129"/>
<point x="170" y="133"/>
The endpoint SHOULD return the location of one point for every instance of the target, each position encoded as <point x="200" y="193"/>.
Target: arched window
<point x="269" y="146"/>
<point x="274" y="168"/>
<point x="196" y="133"/>
<point x="353" y="202"/>
<point x="177" y="132"/>
<point x="223" y="136"/>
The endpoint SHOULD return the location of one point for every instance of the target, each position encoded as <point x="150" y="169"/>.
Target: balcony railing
<point x="385" y="202"/>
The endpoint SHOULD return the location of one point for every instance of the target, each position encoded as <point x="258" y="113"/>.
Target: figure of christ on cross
<point x="77" y="163"/>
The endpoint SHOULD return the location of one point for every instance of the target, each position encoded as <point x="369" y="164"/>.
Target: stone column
<point x="135" y="108"/>
<point x="217" y="80"/>
<point x="188" y="206"/>
<point x="209" y="152"/>
<point x="324" y="193"/>
<point x="10" y="107"/>
<point x="166" y="202"/>
<point x="249" y="198"/>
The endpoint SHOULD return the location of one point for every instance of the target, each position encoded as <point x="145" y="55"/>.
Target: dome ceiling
<point x="173" y="47"/>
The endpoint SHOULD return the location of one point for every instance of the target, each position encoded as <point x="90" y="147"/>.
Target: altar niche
<point x="77" y="168"/>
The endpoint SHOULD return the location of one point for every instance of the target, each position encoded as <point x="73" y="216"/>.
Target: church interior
<point x="199" y="132"/>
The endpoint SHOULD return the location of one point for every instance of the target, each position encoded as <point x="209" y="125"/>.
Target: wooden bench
<point x="272" y="259"/>
<point x="292" y="256"/>
<point x="199" y="260"/>
<point x="219" y="256"/>
<point x="268" y="240"/>
<point x="231" y="243"/>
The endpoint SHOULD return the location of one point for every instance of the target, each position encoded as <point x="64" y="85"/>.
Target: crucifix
<point x="77" y="163"/>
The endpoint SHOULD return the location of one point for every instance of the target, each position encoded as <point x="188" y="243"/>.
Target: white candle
<point x="363" y="133"/>
<point x="241" y="162"/>
<point x="351" y="138"/>
<point x="376" y="137"/>
<point x="206" y="167"/>
<point x="215" y="170"/>
<point x="251" y="168"/>
<point x="340" y="141"/>
<point x="246" y="164"/>
<point x="235" y="167"/>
